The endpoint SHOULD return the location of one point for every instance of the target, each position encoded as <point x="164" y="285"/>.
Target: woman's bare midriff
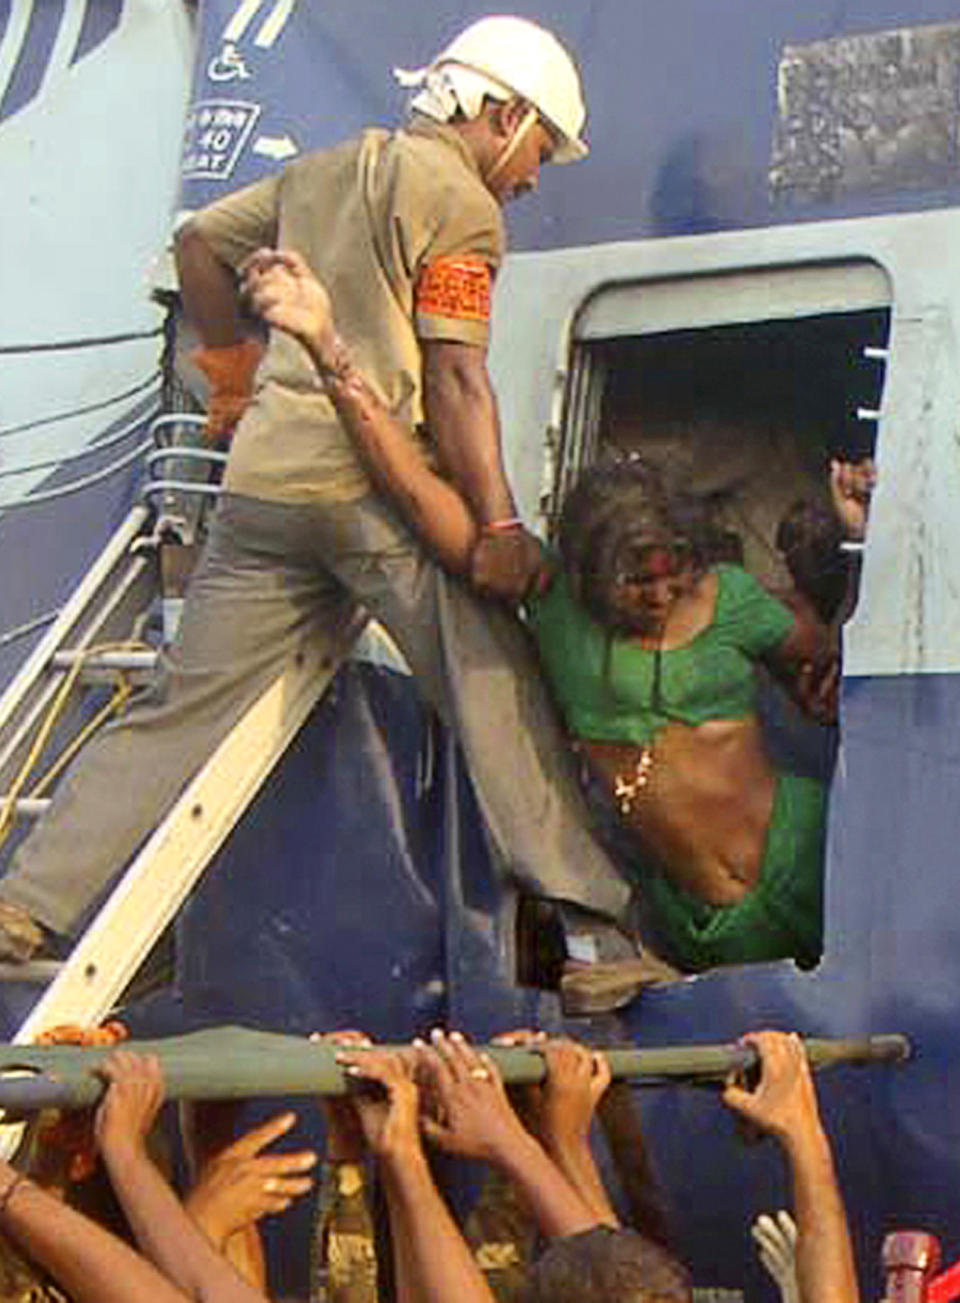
<point x="705" y="807"/>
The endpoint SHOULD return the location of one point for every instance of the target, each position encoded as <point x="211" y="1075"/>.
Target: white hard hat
<point x="530" y="62"/>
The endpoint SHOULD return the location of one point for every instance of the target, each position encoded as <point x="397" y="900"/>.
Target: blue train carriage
<point x="689" y="327"/>
<point x="753" y="269"/>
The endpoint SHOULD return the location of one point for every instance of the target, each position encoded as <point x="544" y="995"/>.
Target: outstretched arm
<point x="90" y="1264"/>
<point x="506" y="561"/>
<point x="474" y="1118"/>
<point x="561" y="1111"/>
<point x="433" y="1261"/>
<point x="238" y="1184"/>
<point x="282" y="289"/>
<point x="467" y="520"/>
<point x="164" y="1230"/>
<point x="785" y="1105"/>
<point x="211" y="297"/>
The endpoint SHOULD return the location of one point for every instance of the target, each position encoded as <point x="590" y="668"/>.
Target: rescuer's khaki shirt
<point x="406" y="237"/>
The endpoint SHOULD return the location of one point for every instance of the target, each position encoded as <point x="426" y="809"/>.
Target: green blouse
<point x="612" y="689"/>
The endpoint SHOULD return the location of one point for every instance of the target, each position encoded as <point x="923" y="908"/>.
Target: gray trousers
<point x="270" y="576"/>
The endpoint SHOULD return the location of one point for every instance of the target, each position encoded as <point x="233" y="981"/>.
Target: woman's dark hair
<point x="809" y="537"/>
<point x="607" y="1265"/>
<point x="615" y="511"/>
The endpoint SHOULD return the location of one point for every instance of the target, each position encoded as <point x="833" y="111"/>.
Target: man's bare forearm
<point x="434" y="1262"/>
<point x="90" y="1264"/>
<point x="575" y="1159"/>
<point x="168" y="1235"/>
<point x="209" y="290"/>
<point x="462" y="417"/>
<point x="826" y="1272"/>
<point x="557" y="1207"/>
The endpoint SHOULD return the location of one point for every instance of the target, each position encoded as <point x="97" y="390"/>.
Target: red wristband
<point x="502" y="526"/>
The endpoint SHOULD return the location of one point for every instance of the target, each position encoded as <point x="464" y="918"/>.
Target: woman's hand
<point x="851" y="489"/>
<point x="241" y="1184"/>
<point x="281" y="288"/>
<point x="387" y="1102"/>
<point x="576" y="1080"/>
<point x="466" y="1107"/>
<point x="345" y="1138"/>
<point x="129" y="1108"/>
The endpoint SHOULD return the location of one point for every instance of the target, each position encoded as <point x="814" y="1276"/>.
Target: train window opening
<point x="742" y="419"/>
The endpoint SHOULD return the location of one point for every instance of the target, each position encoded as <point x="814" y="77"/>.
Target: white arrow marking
<point x="275" y="24"/>
<point x="275" y="147"/>
<point x="245" y="13"/>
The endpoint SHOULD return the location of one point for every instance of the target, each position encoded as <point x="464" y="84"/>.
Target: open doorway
<point x="740" y="408"/>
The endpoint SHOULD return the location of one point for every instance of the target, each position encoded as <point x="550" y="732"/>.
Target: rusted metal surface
<point x="876" y="112"/>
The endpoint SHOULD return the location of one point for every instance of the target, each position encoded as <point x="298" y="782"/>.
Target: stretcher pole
<point x="237" y="1063"/>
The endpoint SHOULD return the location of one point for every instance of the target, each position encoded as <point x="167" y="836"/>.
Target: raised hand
<point x="281" y="288"/>
<point x="851" y="488"/>
<point x="466" y="1110"/>
<point x="241" y="1184"/>
<point x="775" y="1238"/>
<point x="561" y="1108"/>
<point x="345" y="1139"/>
<point x="784" y="1102"/>
<point x="387" y="1103"/>
<point x="577" y="1078"/>
<point x="130" y="1106"/>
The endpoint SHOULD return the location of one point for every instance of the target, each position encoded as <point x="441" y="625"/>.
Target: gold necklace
<point x="628" y="786"/>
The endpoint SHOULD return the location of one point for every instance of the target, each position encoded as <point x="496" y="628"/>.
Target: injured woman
<point x="651" y="651"/>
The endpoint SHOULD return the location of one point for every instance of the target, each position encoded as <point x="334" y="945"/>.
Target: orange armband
<point x="457" y="288"/>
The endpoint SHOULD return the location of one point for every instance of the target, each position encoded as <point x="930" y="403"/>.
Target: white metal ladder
<point x="153" y="887"/>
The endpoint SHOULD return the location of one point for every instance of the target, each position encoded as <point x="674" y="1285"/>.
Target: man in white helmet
<point x="406" y="230"/>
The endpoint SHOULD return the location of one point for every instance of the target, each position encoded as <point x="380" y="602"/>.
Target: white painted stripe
<point x="275" y="24"/>
<point x="66" y="42"/>
<point x="13" y="40"/>
<point x="244" y="15"/>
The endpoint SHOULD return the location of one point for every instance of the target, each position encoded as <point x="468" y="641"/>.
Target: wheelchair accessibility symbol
<point x="228" y="65"/>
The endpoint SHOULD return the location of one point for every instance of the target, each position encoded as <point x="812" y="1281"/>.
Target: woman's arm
<point x="283" y="290"/>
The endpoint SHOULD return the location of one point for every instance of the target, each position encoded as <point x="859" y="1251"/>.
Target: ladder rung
<point x="113" y="660"/>
<point x="35" y="970"/>
<point x="31" y="806"/>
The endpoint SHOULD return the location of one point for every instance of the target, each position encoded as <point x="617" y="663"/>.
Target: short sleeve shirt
<point x="407" y="239"/>
<point x="611" y="688"/>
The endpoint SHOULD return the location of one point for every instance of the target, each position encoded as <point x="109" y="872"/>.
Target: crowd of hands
<point x="446" y="1094"/>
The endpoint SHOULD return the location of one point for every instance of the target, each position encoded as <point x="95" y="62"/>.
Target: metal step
<point x="103" y="667"/>
<point x="30" y="807"/>
<point x="38" y="972"/>
<point x="131" y="660"/>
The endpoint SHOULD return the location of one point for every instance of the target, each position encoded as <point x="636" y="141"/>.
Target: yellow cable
<point x="47" y="725"/>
